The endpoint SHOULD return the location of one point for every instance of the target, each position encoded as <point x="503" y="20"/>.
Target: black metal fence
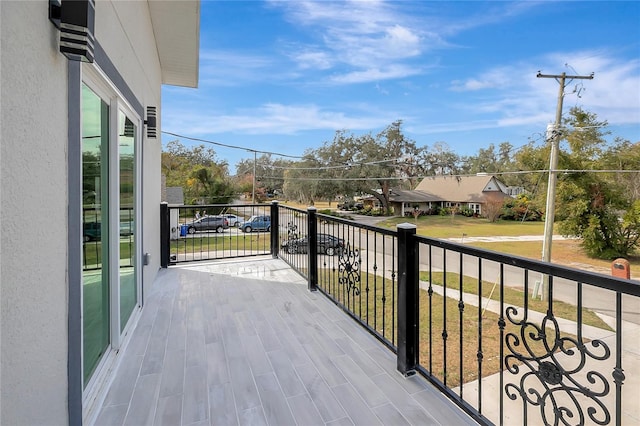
<point x="215" y="231"/>
<point x="517" y="341"/>
<point x="510" y="340"/>
<point x="291" y="239"/>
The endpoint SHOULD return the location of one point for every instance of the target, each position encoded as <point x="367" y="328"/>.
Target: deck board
<point x="219" y="349"/>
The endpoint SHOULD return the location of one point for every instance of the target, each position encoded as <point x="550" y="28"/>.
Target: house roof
<point x="415" y="196"/>
<point x="462" y="188"/>
<point x="176" y="26"/>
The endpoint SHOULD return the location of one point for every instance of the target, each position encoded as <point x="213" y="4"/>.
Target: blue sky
<point x="284" y="76"/>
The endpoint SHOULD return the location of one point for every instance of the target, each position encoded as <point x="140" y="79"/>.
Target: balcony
<point x="245" y="342"/>
<point x="321" y="320"/>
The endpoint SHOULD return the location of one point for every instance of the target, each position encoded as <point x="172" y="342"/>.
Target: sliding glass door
<point x="95" y="218"/>
<point x="127" y="169"/>
<point x="110" y="185"/>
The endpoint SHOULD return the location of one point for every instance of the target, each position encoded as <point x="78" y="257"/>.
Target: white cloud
<point x="225" y="68"/>
<point x="308" y="59"/>
<point x="383" y="44"/>
<point x="518" y="97"/>
<point x="472" y="85"/>
<point x="363" y="76"/>
<point x="270" y="119"/>
<point x="356" y="36"/>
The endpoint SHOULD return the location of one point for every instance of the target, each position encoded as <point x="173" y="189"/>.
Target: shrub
<point x="466" y="211"/>
<point x="522" y="209"/>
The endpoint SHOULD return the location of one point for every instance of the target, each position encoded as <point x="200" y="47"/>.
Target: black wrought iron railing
<point x="517" y="341"/>
<point x="510" y="340"/>
<point x="291" y="242"/>
<point x="215" y="231"/>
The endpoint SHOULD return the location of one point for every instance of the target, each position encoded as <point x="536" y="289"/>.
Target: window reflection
<point x="95" y="277"/>
<point x="126" y="141"/>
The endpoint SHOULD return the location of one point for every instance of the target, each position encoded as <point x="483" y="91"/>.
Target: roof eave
<point x="176" y="26"/>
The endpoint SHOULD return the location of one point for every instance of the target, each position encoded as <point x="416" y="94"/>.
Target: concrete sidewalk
<point x="496" y="239"/>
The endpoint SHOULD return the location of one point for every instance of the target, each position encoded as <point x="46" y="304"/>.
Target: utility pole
<point x="253" y="194"/>
<point x="554" y="139"/>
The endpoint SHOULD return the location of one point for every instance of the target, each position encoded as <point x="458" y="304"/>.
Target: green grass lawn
<point x="456" y="226"/>
<point x="445" y="333"/>
<point x="206" y="242"/>
<point x="563" y="252"/>
<point x="92" y="253"/>
<point x="516" y="297"/>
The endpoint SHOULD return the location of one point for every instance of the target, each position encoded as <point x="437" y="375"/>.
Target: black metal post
<point x="275" y="229"/>
<point x="312" y="238"/>
<point x="165" y="238"/>
<point x="408" y="299"/>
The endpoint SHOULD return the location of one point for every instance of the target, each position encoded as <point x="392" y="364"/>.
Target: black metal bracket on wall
<point x="55" y="12"/>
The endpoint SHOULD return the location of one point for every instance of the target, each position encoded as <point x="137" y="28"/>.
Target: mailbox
<point x="621" y="268"/>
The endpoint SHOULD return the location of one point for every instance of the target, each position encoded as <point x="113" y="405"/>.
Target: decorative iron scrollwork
<point x="292" y="238"/>
<point x="349" y="269"/>
<point x="550" y="373"/>
<point x="552" y="369"/>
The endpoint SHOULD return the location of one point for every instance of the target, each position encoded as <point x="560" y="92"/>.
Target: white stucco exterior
<point x="34" y="218"/>
<point x="34" y="182"/>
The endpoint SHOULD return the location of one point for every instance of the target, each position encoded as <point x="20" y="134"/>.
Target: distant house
<point x="405" y="202"/>
<point x="472" y="192"/>
<point x="514" y="191"/>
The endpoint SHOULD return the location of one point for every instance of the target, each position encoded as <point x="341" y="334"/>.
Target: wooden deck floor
<point x="227" y="346"/>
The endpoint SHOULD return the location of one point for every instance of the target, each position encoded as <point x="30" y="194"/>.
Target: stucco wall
<point x="34" y="193"/>
<point x="34" y="217"/>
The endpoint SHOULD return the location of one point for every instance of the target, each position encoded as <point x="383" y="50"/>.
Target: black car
<point x="208" y="223"/>
<point x="351" y="205"/>
<point x="327" y="244"/>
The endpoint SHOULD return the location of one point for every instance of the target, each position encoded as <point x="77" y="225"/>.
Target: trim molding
<point x="74" y="243"/>
<point x="74" y="221"/>
<point x="105" y="64"/>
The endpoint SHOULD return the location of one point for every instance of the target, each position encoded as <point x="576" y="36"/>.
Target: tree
<point x="593" y="206"/>
<point x="521" y="208"/>
<point x="440" y="160"/>
<point x="302" y="182"/>
<point x="624" y="157"/>
<point x="493" y="207"/>
<point x="492" y="162"/>
<point x="269" y="175"/>
<point x="369" y="165"/>
<point x="210" y="185"/>
<point x="532" y="159"/>
<point x="202" y="176"/>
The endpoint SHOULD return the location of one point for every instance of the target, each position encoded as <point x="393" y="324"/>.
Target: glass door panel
<point x="95" y="276"/>
<point x="127" y="159"/>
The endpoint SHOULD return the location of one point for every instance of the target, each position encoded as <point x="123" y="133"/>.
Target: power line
<point x="231" y="146"/>
<point x="518" y="172"/>
<point x="342" y="166"/>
